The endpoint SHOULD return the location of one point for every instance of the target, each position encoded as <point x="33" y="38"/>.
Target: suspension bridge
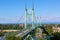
<point x="29" y="16"/>
<point x="29" y="19"/>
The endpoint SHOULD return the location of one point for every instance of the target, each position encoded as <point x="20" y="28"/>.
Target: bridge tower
<point x="29" y="13"/>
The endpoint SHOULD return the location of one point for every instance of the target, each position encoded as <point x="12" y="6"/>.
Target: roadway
<point x="25" y="32"/>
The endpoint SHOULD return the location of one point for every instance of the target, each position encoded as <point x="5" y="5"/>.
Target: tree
<point x="58" y="25"/>
<point x="56" y="36"/>
<point x="48" y="28"/>
<point x="11" y="36"/>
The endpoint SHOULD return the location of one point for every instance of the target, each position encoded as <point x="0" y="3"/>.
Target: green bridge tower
<point x="29" y="13"/>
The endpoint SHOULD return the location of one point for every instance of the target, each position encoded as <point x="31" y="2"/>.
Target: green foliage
<point x="10" y="27"/>
<point x="18" y="38"/>
<point x="56" y="36"/>
<point x="48" y="28"/>
<point x="58" y="25"/>
<point x="35" y="30"/>
<point x="40" y="38"/>
<point x="11" y="36"/>
<point x="1" y="33"/>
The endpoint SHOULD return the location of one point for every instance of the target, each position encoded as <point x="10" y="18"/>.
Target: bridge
<point x="28" y="31"/>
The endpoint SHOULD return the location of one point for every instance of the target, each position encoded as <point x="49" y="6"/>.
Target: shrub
<point x="11" y="36"/>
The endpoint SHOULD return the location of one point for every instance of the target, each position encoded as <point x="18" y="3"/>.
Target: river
<point x="2" y="38"/>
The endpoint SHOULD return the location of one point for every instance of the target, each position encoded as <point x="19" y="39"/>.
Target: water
<point x="46" y="37"/>
<point x="34" y="38"/>
<point x="2" y="38"/>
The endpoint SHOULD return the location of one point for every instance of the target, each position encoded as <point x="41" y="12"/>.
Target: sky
<point x="13" y="11"/>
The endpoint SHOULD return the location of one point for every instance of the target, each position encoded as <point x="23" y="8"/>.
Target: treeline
<point x="10" y="26"/>
<point x="58" y="25"/>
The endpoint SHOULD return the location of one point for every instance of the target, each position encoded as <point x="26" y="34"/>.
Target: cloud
<point x="10" y="20"/>
<point x="48" y="19"/>
<point x="21" y="19"/>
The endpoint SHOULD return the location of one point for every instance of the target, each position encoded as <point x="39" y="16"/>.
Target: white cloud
<point x="22" y="19"/>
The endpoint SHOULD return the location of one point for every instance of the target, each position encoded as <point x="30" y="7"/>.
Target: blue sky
<point x="12" y="11"/>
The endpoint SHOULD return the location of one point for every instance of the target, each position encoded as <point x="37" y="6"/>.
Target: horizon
<point x="35" y="23"/>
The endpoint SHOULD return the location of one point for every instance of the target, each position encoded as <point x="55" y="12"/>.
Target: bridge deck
<point x="23" y="33"/>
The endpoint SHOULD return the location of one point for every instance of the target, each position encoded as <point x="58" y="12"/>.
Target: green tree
<point x="48" y="28"/>
<point x="58" y="25"/>
<point x="56" y="36"/>
<point x="11" y="36"/>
